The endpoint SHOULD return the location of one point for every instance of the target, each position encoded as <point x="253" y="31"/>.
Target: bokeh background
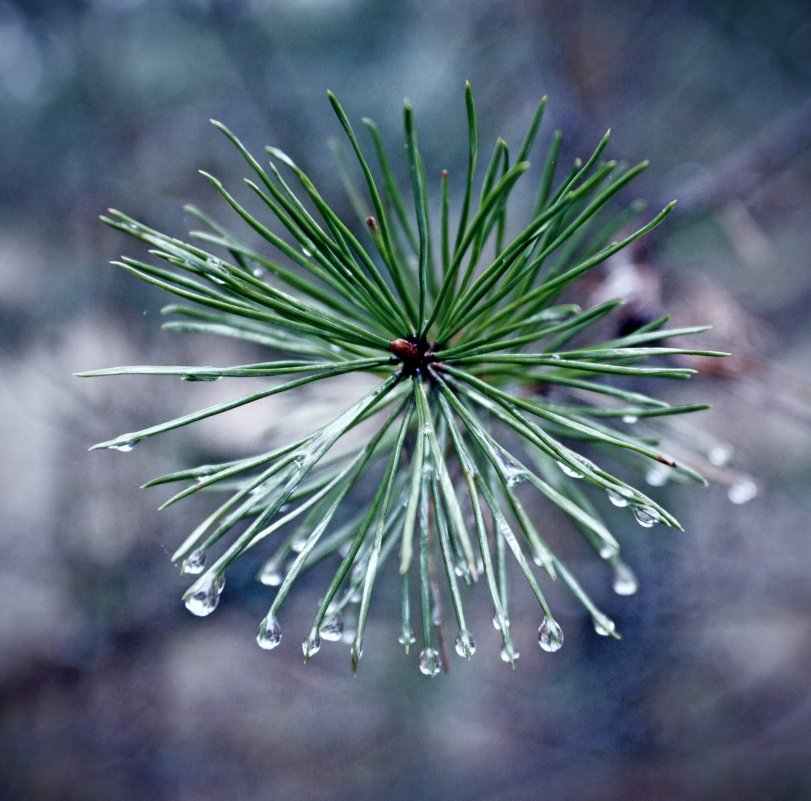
<point x="110" y="690"/>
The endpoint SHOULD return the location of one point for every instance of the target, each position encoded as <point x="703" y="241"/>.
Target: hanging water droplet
<point x="271" y="575"/>
<point x="624" y="581"/>
<point x="497" y="623"/>
<point x="204" y="595"/>
<point x="630" y="419"/>
<point x="604" y="626"/>
<point x="258" y="271"/>
<point x="332" y="630"/>
<point x="430" y="663"/>
<point x="608" y="550"/>
<point x="719" y="455"/>
<point x="194" y="563"/>
<point x="311" y="646"/>
<point x="656" y="476"/>
<point x="510" y="468"/>
<point x="123" y="446"/>
<point x="298" y="544"/>
<point x="464" y="644"/>
<point x="509" y="654"/>
<point x="646" y="516"/>
<point x="570" y="471"/>
<point x="306" y="252"/>
<point x="616" y="498"/>
<point x="550" y="636"/>
<point x="270" y="633"/>
<point x="436" y="616"/>
<point x="742" y="491"/>
<point x="407" y="638"/>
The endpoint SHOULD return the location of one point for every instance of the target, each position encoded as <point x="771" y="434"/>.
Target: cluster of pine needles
<point x="480" y="394"/>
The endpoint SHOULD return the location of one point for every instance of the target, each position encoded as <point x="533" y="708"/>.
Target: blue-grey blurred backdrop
<point x="110" y="690"/>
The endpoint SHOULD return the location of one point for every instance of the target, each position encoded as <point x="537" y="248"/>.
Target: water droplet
<point x="464" y="644"/>
<point x="550" y="636"/>
<point x="299" y="544"/>
<point x="200" y="377"/>
<point x="742" y="491"/>
<point x="646" y="516"/>
<point x="311" y="646"/>
<point x="604" y="626"/>
<point x="509" y="654"/>
<point x="430" y="663"/>
<point x="555" y="356"/>
<point x="616" y="498"/>
<point x="204" y="595"/>
<point x="624" y="581"/>
<point x="306" y="252"/>
<point x="194" y="563"/>
<point x="124" y="446"/>
<point x="512" y="470"/>
<point x="436" y="616"/>
<point x="216" y="280"/>
<point x="719" y="455"/>
<point x="630" y="419"/>
<point x="258" y="272"/>
<point x="656" y="476"/>
<point x="497" y="623"/>
<point x="270" y="633"/>
<point x="333" y="629"/>
<point x="608" y="551"/>
<point x="407" y="637"/>
<point x="570" y="471"/>
<point x="271" y="575"/>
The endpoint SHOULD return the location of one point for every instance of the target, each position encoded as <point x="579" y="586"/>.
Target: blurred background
<point x="110" y="690"/>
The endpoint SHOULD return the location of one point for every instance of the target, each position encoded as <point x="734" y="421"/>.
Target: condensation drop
<point x="430" y="663"/>
<point x="604" y="626"/>
<point x="616" y="498"/>
<point x="550" y="636"/>
<point x="656" y="476"/>
<point x="646" y="517"/>
<point x="624" y="581"/>
<point x="270" y="576"/>
<point x="509" y="654"/>
<point x="332" y="630"/>
<point x="311" y="646"/>
<point x="407" y="638"/>
<point x="270" y="633"/>
<point x="630" y="419"/>
<point x="205" y="594"/>
<point x="194" y="563"/>
<point x="464" y="644"/>
<point x="719" y="455"/>
<point x="497" y="623"/>
<point x="570" y="471"/>
<point x="258" y="272"/>
<point x="742" y="491"/>
<point x="608" y="551"/>
<point x="123" y="447"/>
